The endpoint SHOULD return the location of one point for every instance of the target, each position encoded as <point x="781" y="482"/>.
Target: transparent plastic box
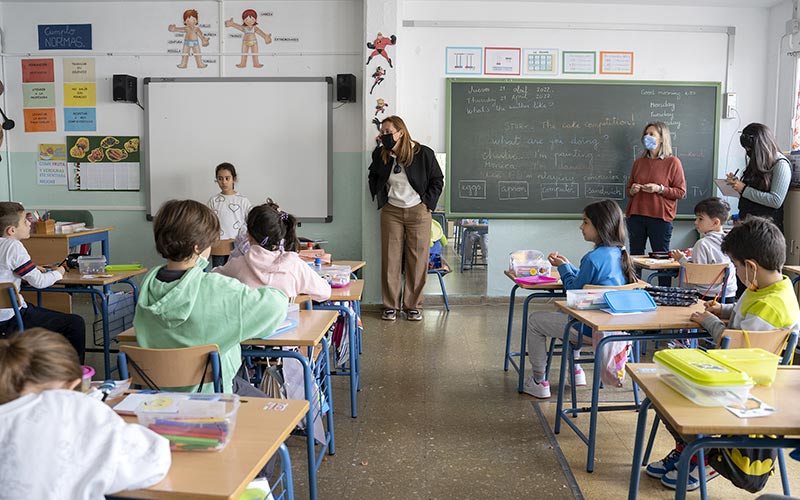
<point x="529" y="263"/>
<point x="702" y="379"/>
<point x="336" y="276"/>
<point x="761" y="365"/>
<point x="587" y="299"/>
<point x="191" y="421"/>
<point x="92" y="264"/>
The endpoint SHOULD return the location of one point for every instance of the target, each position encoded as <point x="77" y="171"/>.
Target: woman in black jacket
<point x="407" y="180"/>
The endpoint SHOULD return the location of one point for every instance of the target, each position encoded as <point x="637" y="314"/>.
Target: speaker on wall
<point x="125" y="88"/>
<point x="346" y="88"/>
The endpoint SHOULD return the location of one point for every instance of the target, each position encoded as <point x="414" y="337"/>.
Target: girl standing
<point x="608" y="264"/>
<point x="230" y="207"/>
<point x="249" y="42"/>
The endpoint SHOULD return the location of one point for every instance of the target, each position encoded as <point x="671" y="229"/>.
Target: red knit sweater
<point x="666" y="171"/>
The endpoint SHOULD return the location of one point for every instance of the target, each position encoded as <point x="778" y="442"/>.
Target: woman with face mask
<point x="405" y="177"/>
<point x="654" y="188"/>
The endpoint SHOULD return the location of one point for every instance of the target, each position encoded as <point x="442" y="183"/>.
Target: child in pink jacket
<point x="266" y="263"/>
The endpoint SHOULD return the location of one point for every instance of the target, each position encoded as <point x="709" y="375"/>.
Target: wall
<point x="664" y="53"/>
<point x="132" y="38"/>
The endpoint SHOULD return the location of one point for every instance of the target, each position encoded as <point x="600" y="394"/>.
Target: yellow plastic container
<point x="702" y="379"/>
<point x="761" y="365"/>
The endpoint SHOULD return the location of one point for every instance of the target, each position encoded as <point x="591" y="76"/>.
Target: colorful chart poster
<point x="80" y="94"/>
<point x="37" y="70"/>
<point x="51" y="173"/>
<point x="40" y="120"/>
<point x="616" y="63"/>
<point x="464" y="60"/>
<point x="38" y="95"/>
<point x="501" y="61"/>
<point x="578" y="62"/>
<point x="103" y="163"/>
<point x="78" y="69"/>
<point x="540" y="61"/>
<point x="54" y="152"/>
<point x="80" y="119"/>
<point x="65" y="36"/>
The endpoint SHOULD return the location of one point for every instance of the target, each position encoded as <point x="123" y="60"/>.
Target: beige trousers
<point x="405" y="233"/>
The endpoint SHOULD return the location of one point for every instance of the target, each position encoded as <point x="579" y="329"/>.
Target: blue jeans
<point x="658" y="231"/>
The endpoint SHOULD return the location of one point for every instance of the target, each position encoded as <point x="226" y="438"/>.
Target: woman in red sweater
<point x="654" y="187"/>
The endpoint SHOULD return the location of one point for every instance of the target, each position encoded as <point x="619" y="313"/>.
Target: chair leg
<point x="784" y="477"/>
<point x="550" y="351"/>
<point x="650" y="441"/>
<point x="444" y="290"/>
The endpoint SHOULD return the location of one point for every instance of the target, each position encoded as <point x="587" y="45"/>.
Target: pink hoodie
<point x="282" y="270"/>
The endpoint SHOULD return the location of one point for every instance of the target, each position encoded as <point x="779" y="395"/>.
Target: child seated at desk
<point x="608" y="263"/>
<point x="266" y="263"/>
<point x="60" y="443"/>
<point x="476" y="236"/>
<point x="758" y="251"/>
<point x="15" y="265"/>
<point x="710" y="214"/>
<point x="180" y="305"/>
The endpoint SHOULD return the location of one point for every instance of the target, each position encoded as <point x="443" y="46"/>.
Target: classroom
<point x="437" y="414"/>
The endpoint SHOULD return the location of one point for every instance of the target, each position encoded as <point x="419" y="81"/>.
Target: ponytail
<point x="35" y="357"/>
<point x="609" y="222"/>
<point x="628" y="269"/>
<point x="272" y="228"/>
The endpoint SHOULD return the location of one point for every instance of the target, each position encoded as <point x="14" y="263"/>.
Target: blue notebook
<point x="627" y="301"/>
<point x="288" y="324"/>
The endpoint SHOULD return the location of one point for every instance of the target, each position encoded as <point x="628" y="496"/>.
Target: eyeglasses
<point x="396" y="168"/>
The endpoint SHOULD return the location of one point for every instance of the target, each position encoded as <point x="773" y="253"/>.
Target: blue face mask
<point x="650" y="142"/>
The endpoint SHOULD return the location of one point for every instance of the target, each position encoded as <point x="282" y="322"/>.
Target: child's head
<point x="660" y="132"/>
<point x="753" y="244"/>
<point x="13" y="223"/>
<point x="191" y="13"/>
<point x="711" y="214"/>
<point x="604" y="225"/>
<point x="249" y="13"/>
<point x="183" y="229"/>
<point x="36" y="360"/>
<point x="272" y="228"/>
<point x="225" y="174"/>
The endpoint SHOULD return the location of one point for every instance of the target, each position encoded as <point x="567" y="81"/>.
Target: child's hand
<point x="635" y="188"/>
<point x="699" y="317"/>
<point x="229" y="23"/>
<point x="556" y="259"/>
<point x="205" y="42"/>
<point x="677" y="255"/>
<point x="713" y="307"/>
<point x="171" y="27"/>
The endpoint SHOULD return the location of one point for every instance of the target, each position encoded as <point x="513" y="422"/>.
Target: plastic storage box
<point x="92" y="265"/>
<point x="701" y="378"/>
<point x="529" y="263"/>
<point x="587" y="299"/>
<point x="761" y="365"/>
<point x="191" y="421"/>
<point x="336" y="276"/>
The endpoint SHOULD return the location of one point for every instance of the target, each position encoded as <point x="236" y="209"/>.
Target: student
<point x="476" y="236"/>
<point x="267" y="263"/>
<point x="608" y="263"/>
<point x="230" y="207"/>
<point x="15" y="265"/>
<point x="758" y="251"/>
<point x="180" y="305"/>
<point x="60" y="443"/>
<point x="710" y="215"/>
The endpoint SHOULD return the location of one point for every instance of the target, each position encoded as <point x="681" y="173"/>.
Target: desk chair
<point x="781" y="342"/>
<point x="440" y="272"/>
<point x="704" y="274"/>
<point x="9" y="299"/>
<point x="181" y="367"/>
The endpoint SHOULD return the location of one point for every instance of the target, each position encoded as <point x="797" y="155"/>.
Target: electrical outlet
<point x="729" y="105"/>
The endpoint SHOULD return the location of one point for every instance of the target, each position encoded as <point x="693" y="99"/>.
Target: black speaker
<point x="346" y="88"/>
<point x="125" y="88"/>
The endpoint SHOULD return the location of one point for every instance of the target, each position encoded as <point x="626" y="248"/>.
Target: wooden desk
<point x="646" y="326"/>
<point x="355" y="265"/>
<point x="53" y="248"/>
<point x="544" y="291"/>
<point x="662" y="267"/>
<point x="698" y="422"/>
<point x="225" y="474"/>
<point x="74" y="282"/>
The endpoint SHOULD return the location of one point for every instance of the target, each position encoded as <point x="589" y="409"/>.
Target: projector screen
<point x="275" y="131"/>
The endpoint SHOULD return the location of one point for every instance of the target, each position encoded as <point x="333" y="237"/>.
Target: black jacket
<point x="424" y="175"/>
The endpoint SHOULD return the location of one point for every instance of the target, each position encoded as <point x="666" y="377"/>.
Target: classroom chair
<point x="10" y="300"/>
<point x="781" y="342"/>
<point x="440" y="272"/>
<point x="220" y="251"/>
<point x="704" y="274"/>
<point x="181" y="367"/>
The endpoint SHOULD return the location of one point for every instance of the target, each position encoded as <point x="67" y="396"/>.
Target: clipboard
<point x="727" y="190"/>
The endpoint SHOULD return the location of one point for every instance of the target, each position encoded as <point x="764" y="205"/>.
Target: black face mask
<point x="388" y="141"/>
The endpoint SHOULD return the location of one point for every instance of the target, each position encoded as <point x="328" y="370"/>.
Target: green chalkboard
<point x="544" y="148"/>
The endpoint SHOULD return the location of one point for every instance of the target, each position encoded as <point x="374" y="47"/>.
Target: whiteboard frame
<point x="150" y="211"/>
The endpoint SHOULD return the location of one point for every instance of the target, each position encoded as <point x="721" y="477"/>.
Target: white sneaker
<point x="540" y="390"/>
<point x="580" y="377"/>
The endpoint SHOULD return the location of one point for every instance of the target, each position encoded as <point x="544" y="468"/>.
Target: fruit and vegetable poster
<point x="103" y="163"/>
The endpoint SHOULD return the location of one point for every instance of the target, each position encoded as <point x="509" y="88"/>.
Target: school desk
<point x="259" y="433"/>
<point x="700" y="424"/>
<point x="351" y="293"/>
<point x="53" y="248"/>
<point x="794" y="270"/>
<point x="662" y="267"/>
<point x="663" y="323"/>
<point x="355" y="265"/>
<point x="544" y="291"/>
<point x="310" y="333"/>
<point x="74" y="282"/>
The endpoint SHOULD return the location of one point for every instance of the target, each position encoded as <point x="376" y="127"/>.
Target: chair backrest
<point x="704" y="274"/>
<point x="630" y="286"/>
<point x="179" y="367"/>
<point x="10" y="299"/>
<point x="84" y="216"/>
<point x="304" y="301"/>
<point x="222" y="247"/>
<point x="780" y="342"/>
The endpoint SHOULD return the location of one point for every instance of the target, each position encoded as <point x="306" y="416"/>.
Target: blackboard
<point x="543" y="148"/>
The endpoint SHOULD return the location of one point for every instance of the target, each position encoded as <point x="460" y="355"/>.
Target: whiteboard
<point x="275" y="131"/>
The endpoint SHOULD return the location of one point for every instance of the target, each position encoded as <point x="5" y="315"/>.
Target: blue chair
<point x="440" y="274"/>
<point x="181" y="367"/>
<point x="10" y="300"/>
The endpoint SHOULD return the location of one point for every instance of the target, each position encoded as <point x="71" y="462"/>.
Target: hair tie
<point x="622" y="248"/>
<point x="264" y="241"/>
<point x="284" y="216"/>
<point x="280" y="245"/>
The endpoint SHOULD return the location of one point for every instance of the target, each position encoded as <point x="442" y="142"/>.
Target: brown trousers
<point x="405" y="232"/>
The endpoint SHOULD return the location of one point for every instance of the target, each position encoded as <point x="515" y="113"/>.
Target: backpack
<point x="748" y="469"/>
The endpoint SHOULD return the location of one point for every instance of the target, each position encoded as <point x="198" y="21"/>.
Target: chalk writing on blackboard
<point x="512" y="190"/>
<point x="560" y="191"/>
<point x="473" y="190"/>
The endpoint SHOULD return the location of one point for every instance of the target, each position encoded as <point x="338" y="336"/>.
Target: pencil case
<point x="115" y="268"/>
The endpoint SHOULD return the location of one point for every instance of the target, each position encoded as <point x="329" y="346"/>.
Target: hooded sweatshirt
<point x="285" y="271"/>
<point x="206" y="308"/>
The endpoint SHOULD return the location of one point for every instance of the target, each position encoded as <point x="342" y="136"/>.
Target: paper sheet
<point x="726" y="189"/>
